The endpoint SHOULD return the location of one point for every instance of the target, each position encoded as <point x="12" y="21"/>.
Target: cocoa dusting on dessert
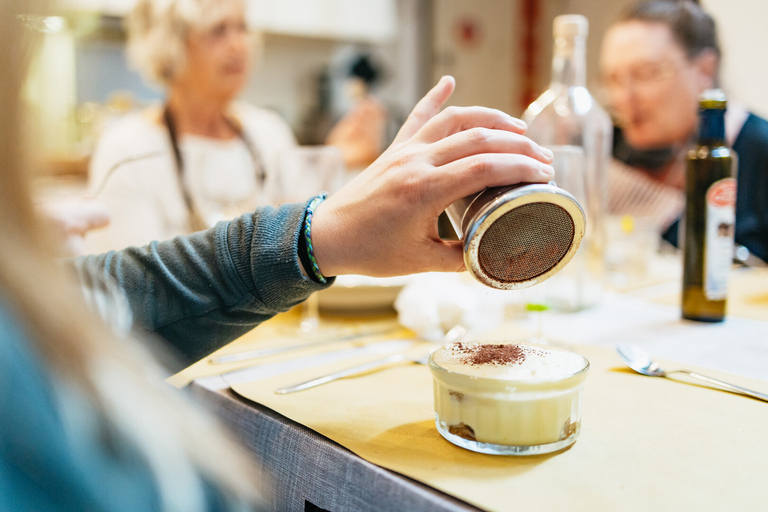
<point x="458" y="396"/>
<point x="461" y="348"/>
<point x="497" y="354"/>
<point x="462" y="430"/>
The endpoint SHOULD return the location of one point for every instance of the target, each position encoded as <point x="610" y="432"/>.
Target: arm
<point x="201" y="291"/>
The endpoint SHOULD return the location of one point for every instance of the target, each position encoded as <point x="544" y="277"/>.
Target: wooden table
<point x="307" y="471"/>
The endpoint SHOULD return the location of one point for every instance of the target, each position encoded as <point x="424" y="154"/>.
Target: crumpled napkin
<point x="433" y="303"/>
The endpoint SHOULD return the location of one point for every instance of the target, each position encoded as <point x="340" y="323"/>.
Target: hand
<point x="360" y="133"/>
<point x="384" y="222"/>
<point x="72" y="219"/>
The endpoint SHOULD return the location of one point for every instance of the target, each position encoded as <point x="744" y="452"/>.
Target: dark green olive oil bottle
<point x="710" y="214"/>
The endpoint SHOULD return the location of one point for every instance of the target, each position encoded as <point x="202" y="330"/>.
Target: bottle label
<point x="718" y="253"/>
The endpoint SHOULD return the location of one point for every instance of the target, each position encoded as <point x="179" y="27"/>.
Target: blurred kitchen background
<point x="498" y="50"/>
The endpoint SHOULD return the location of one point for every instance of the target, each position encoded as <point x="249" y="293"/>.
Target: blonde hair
<point x="157" y="31"/>
<point x="116" y="380"/>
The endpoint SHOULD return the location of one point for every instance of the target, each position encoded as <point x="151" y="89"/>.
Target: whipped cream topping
<point x="509" y="361"/>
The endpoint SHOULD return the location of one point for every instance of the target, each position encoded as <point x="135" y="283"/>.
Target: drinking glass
<point x="536" y="309"/>
<point x="631" y="244"/>
<point x="304" y="172"/>
<point x="536" y="304"/>
<point x="579" y="284"/>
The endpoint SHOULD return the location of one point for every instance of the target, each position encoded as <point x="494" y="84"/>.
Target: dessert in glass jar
<point x="508" y="398"/>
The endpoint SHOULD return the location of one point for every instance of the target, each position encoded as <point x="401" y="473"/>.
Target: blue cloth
<point x="198" y="293"/>
<point x="42" y="467"/>
<point x="751" y="147"/>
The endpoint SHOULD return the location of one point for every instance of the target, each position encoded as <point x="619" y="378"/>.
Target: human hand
<point x="360" y="133"/>
<point x="384" y="222"/>
<point x="72" y="219"/>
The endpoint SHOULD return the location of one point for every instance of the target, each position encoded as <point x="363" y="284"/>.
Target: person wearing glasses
<point x="201" y="157"/>
<point x="655" y="62"/>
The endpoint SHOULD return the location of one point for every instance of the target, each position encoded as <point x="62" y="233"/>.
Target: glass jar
<point x="488" y="409"/>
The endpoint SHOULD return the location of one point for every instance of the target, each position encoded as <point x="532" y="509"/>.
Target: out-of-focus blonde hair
<point x="157" y="31"/>
<point x="121" y="383"/>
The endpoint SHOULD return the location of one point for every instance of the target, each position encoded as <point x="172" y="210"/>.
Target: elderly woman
<point x="655" y="62"/>
<point x="200" y="157"/>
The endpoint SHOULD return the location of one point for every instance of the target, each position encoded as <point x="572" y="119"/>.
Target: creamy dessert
<point x="508" y="398"/>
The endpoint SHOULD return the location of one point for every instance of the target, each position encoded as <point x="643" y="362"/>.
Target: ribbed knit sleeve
<point x="202" y="291"/>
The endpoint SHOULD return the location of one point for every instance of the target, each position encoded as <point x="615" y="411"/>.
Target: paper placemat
<point x="282" y="331"/>
<point x="644" y="442"/>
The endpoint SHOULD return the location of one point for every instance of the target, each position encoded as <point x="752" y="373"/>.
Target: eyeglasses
<point x="642" y="77"/>
<point x="224" y="28"/>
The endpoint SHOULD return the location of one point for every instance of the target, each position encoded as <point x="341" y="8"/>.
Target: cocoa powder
<point x="496" y="354"/>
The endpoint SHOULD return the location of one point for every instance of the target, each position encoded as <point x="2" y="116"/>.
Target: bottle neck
<point x="569" y="64"/>
<point x="712" y="126"/>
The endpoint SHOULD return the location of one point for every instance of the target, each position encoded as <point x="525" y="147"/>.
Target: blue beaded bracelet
<point x="314" y="268"/>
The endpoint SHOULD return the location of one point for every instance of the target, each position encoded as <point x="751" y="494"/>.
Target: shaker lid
<point x="570" y="27"/>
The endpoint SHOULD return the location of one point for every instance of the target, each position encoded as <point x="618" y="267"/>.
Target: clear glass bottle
<point x="568" y="120"/>
<point x="710" y="214"/>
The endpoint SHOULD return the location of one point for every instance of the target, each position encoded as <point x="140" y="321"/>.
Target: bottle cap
<point x="570" y="27"/>
<point x="712" y="99"/>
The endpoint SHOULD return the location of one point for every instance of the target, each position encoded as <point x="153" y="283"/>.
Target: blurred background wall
<point x="498" y="50"/>
<point x="744" y="39"/>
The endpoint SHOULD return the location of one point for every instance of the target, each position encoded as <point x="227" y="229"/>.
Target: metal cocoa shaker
<point x="519" y="235"/>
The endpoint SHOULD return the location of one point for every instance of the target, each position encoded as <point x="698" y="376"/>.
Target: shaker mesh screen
<point x="525" y="242"/>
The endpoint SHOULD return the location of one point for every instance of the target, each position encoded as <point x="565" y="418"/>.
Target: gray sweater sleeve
<point x="201" y="291"/>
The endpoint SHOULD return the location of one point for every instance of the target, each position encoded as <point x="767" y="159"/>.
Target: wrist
<point x="306" y="251"/>
<point x="324" y="242"/>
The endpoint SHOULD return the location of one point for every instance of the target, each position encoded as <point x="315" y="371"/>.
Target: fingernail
<point x="547" y="171"/>
<point x="546" y="153"/>
<point x="521" y="123"/>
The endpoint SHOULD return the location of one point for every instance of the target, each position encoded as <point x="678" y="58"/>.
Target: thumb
<point x="448" y="256"/>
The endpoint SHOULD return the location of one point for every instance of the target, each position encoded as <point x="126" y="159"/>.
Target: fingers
<point x="447" y="256"/>
<point x="426" y="108"/>
<point x="442" y="256"/>
<point x="482" y="140"/>
<point x="456" y="119"/>
<point x="463" y="177"/>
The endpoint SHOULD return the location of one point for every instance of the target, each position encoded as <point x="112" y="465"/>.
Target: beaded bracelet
<point x="313" y="267"/>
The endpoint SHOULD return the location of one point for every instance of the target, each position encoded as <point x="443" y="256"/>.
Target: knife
<point x="354" y="370"/>
<point x="255" y="354"/>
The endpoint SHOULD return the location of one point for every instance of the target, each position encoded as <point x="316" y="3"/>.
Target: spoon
<point x="641" y="362"/>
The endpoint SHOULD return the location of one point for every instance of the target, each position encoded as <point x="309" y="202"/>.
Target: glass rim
<point x="435" y="368"/>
